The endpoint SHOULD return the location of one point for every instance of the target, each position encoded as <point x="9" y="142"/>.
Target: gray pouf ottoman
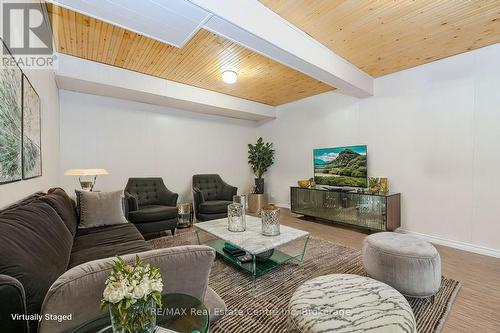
<point x="344" y="303"/>
<point x="406" y="263"/>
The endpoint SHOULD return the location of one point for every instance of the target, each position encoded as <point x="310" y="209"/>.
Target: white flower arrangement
<point x="132" y="287"/>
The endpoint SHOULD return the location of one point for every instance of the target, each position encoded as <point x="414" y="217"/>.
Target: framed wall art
<point x="10" y="120"/>
<point x="32" y="130"/>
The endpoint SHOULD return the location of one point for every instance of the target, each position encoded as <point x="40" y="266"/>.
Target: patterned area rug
<point x="265" y="310"/>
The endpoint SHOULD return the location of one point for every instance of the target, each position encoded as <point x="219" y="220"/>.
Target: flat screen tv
<point x="341" y="166"/>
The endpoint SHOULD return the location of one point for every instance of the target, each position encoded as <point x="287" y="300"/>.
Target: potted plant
<point x="132" y="293"/>
<point x="260" y="158"/>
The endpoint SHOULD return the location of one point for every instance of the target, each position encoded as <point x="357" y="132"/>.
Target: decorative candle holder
<point x="235" y="218"/>
<point x="384" y="185"/>
<point x="373" y="185"/>
<point x="242" y="199"/>
<point x="185" y="218"/>
<point x="270" y="216"/>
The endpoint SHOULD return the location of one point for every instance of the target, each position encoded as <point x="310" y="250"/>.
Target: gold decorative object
<point x="304" y="183"/>
<point x="384" y="185"/>
<point x="373" y="185"/>
<point x="312" y="183"/>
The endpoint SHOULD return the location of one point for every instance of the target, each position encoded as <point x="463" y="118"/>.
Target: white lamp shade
<point x="86" y="172"/>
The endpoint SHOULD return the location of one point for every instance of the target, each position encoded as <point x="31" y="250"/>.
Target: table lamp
<point x="86" y="177"/>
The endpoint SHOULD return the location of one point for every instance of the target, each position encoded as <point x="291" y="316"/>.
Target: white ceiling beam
<point x="252" y="25"/>
<point x="173" y="22"/>
<point x="91" y="77"/>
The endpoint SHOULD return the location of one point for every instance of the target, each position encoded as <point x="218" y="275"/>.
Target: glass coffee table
<point x="289" y="245"/>
<point x="181" y="313"/>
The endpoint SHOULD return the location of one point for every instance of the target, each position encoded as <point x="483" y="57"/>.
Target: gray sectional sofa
<point x="49" y="265"/>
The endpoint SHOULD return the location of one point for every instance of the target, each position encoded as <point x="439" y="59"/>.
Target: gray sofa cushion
<point x="24" y="201"/>
<point x="100" y="208"/>
<point x="35" y="247"/>
<point x="214" y="207"/>
<point x="106" y="241"/>
<point x="152" y="213"/>
<point x="64" y="206"/>
<point x="208" y="217"/>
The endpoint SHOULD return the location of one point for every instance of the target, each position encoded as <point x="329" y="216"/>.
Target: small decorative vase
<point x="270" y="216"/>
<point x="373" y="185"/>
<point x="235" y="218"/>
<point x="242" y="199"/>
<point x="384" y="185"/>
<point x="140" y="317"/>
<point x="184" y="215"/>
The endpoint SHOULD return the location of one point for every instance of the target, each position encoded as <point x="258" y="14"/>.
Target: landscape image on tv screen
<point x="341" y="166"/>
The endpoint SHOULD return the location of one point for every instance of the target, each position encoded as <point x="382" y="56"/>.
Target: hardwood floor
<point x="477" y="306"/>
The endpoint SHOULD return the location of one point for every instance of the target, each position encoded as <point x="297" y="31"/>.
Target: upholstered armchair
<point x="211" y="197"/>
<point x="150" y="205"/>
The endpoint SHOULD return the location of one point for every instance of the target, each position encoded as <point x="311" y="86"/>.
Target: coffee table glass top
<point x="182" y="313"/>
<point x="251" y="240"/>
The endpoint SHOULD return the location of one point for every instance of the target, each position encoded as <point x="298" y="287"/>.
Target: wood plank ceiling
<point x="386" y="36"/>
<point x="199" y="63"/>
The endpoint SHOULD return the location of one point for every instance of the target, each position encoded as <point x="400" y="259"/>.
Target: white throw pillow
<point x="100" y="208"/>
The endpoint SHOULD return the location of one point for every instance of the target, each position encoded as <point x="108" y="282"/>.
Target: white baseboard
<point x="455" y="244"/>
<point x="441" y="241"/>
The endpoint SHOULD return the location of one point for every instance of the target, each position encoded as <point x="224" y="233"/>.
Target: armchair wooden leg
<point x="173" y="231"/>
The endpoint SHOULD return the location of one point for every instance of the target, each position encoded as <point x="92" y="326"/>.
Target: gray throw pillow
<point x="100" y="208"/>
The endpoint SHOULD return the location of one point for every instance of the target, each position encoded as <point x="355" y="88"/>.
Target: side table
<point x="181" y="313"/>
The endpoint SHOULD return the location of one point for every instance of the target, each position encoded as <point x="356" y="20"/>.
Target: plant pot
<point x="259" y="185"/>
<point x="140" y="317"/>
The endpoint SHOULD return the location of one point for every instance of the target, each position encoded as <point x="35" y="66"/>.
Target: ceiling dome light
<point x="229" y="76"/>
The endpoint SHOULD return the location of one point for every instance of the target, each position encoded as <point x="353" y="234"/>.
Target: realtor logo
<point x="24" y="28"/>
<point x="27" y="34"/>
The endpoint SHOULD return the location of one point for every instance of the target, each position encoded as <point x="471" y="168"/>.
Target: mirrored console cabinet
<point x="374" y="212"/>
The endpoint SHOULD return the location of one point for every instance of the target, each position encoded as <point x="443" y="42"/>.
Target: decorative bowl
<point x="264" y="256"/>
<point x="304" y="183"/>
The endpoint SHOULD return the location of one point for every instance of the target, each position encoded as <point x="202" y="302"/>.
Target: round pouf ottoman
<point x="406" y="263"/>
<point x="349" y="303"/>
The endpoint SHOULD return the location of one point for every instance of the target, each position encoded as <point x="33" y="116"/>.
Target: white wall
<point x="433" y="130"/>
<point x="132" y="139"/>
<point x="44" y="83"/>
